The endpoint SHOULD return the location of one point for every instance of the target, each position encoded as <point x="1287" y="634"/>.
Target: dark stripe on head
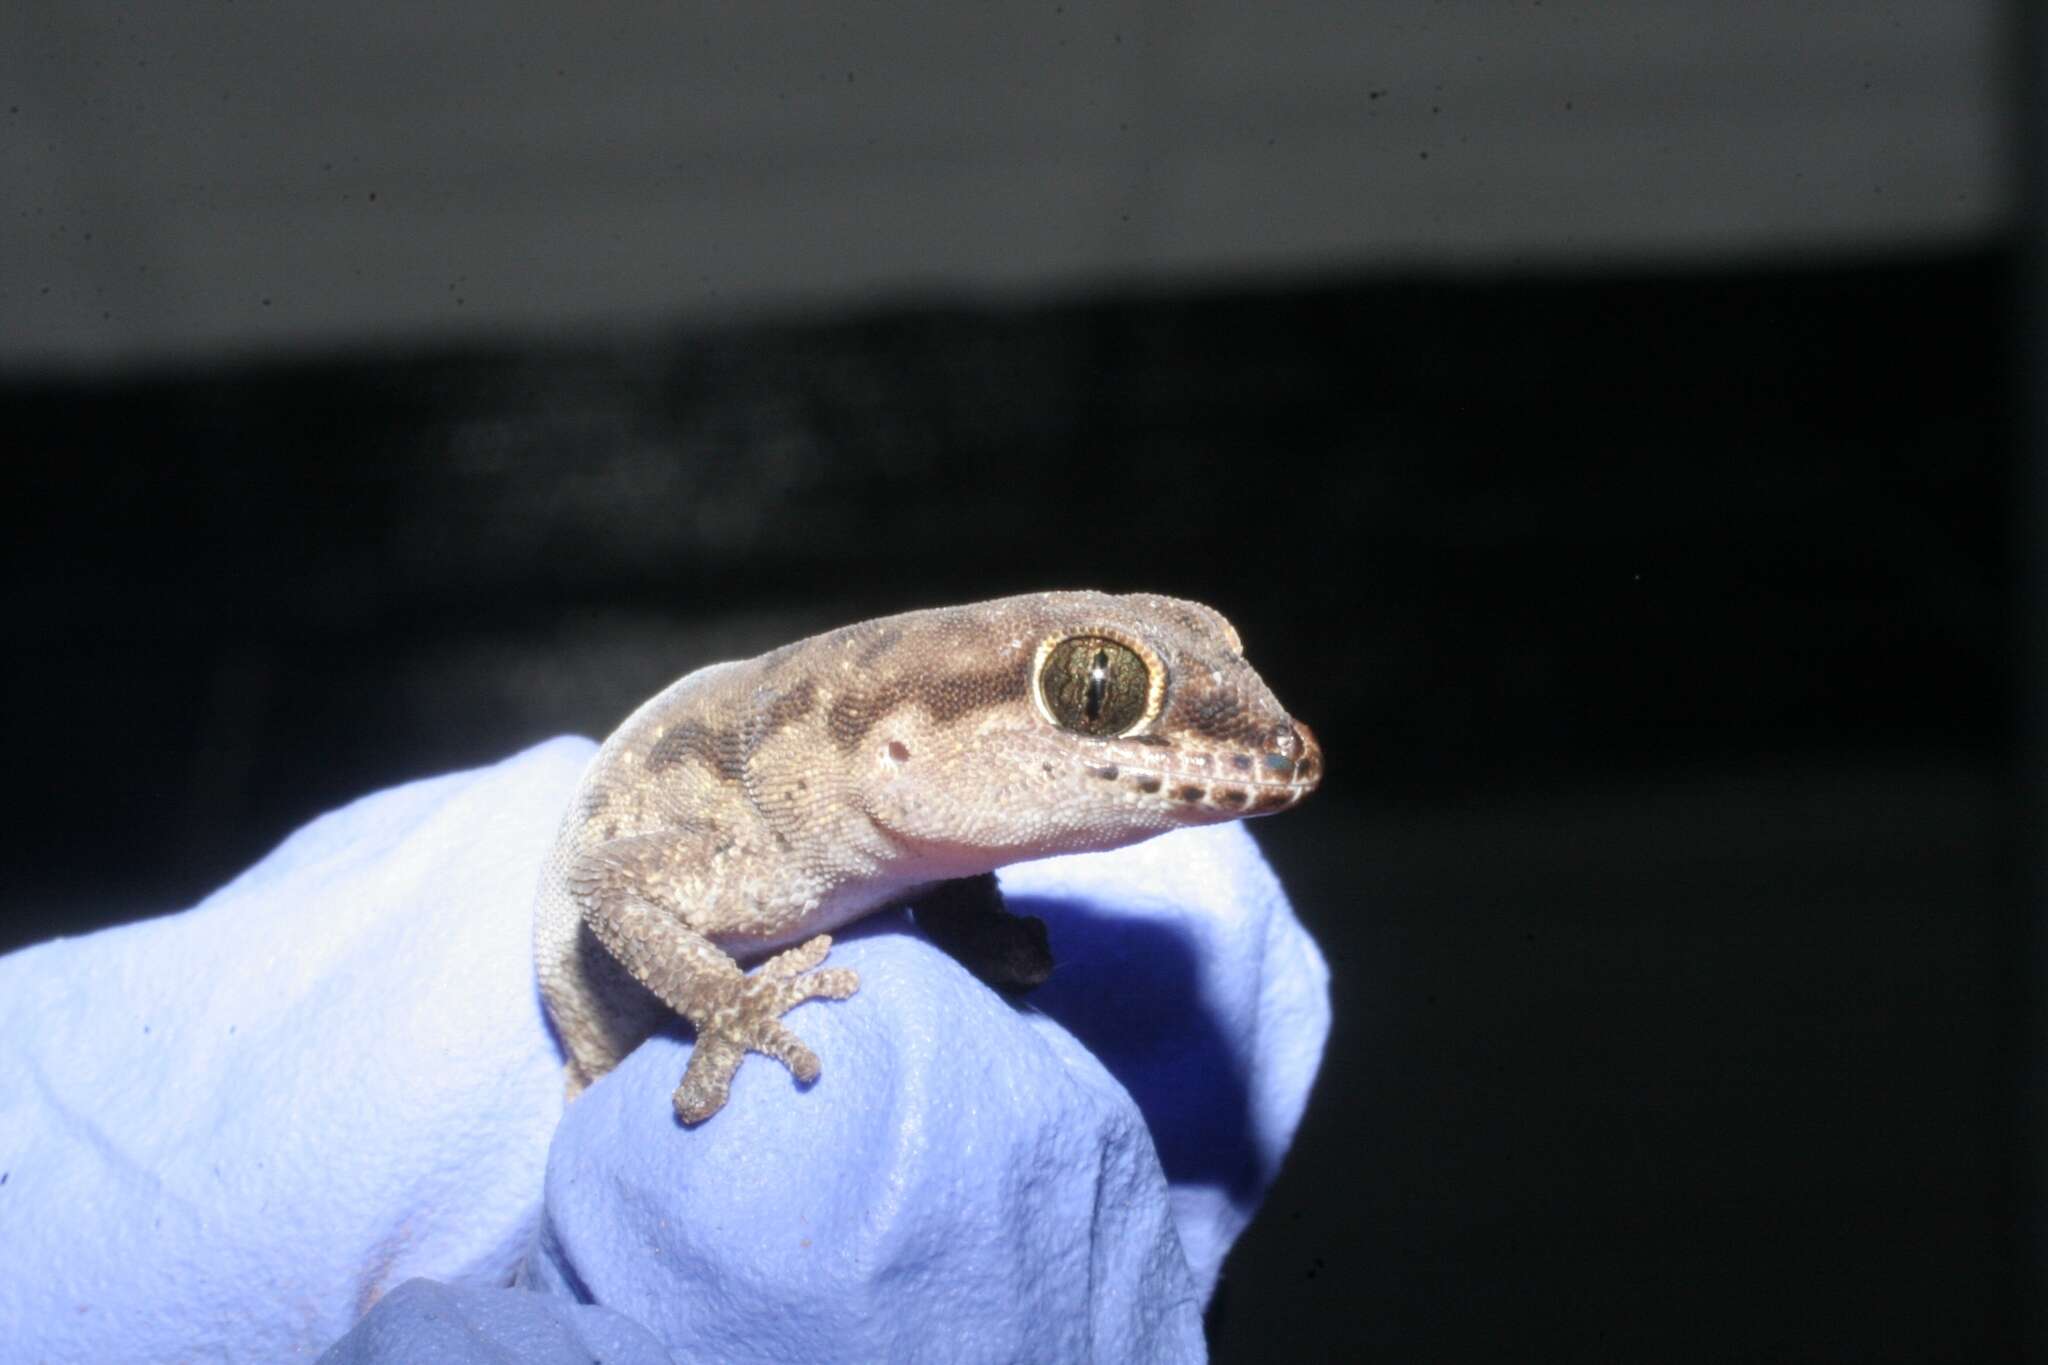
<point x="787" y="709"/>
<point x="721" y="751"/>
<point x="879" y="644"/>
<point x="941" y="695"/>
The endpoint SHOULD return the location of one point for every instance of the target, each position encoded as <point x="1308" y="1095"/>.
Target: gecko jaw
<point x="1229" y="785"/>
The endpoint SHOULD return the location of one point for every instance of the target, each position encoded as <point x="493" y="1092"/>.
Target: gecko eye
<point x="1094" y="686"/>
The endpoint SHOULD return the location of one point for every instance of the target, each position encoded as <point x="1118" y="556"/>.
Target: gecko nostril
<point x="1309" y="767"/>
<point x="1292" y="753"/>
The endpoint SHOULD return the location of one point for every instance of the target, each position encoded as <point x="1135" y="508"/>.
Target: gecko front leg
<point x="638" y="917"/>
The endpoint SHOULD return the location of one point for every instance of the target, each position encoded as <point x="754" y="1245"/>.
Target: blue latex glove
<point x="232" y="1132"/>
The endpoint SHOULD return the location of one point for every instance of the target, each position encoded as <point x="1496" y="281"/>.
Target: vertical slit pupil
<point x="1098" y="683"/>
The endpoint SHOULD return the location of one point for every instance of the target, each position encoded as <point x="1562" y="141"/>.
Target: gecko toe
<point x="778" y="1042"/>
<point x="799" y="959"/>
<point x="834" y="983"/>
<point x="708" y="1078"/>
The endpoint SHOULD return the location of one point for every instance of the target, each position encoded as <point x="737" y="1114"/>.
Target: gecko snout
<point x="1293" y="756"/>
<point x="1308" y="755"/>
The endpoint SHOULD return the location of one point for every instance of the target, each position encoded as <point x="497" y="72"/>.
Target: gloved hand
<point x="232" y="1132"/>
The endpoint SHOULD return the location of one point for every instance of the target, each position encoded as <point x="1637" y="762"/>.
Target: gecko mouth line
<point x="1245" y="783"/>
<point x="1247" y="796"/>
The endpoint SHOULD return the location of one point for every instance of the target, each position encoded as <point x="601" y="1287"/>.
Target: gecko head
<point x="1081" y="720"/>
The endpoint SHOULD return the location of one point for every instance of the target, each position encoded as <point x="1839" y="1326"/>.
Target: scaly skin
<point x="752" y="807"/>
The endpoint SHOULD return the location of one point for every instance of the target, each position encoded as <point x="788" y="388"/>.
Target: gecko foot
<point x="748" y="1018"/>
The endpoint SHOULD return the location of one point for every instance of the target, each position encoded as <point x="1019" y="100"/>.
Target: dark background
<point x="1660" y="610"/>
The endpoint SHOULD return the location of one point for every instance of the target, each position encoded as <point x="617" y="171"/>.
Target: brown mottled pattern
<point x="883" y="640"/>
<point x="1218" y="714"/>
<point x="787" y="709"/>
<point x="849" y="719"/>
<point x="719" y="750"/>
<point x="944" y="696"/>
<point x="725" y="752"/>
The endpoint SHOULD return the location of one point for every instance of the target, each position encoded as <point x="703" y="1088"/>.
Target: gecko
<point x="750" y="808"/>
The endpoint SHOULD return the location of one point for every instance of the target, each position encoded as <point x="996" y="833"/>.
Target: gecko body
<point x="750" y="808"/>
